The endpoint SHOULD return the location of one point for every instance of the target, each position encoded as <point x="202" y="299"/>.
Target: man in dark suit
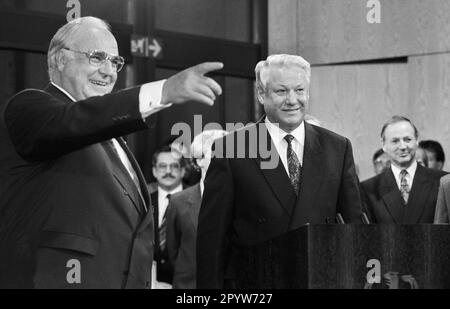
<point x="74" y="209"/>
<point x="407" y="191"/>
<point x="182" y="216"/>
<point x="308" y="178"/>
<point x="168" y="169"/>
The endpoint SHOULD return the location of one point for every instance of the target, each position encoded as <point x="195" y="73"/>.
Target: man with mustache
<point x="406" y="192"/>
<point x="247" y="202"/>
<point x="168" y="169"/>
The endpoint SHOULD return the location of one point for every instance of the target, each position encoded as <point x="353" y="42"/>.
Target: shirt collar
<point x="411" y="170"/>
<point x="278" y="134"/>
<point x="63" y="91"/>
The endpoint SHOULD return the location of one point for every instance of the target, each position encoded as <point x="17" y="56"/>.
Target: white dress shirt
<point x="298" y="143"/>
<point x="409" y="177"/>
<point x="163" y="201"/>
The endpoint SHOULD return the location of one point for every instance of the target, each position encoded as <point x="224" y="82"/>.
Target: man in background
<point x="380" y="161"/>
<point x="182" y="215"/>
<point x="435" y="153"/>
<point x="168" y="169"/>
<point x="406" y="192"/>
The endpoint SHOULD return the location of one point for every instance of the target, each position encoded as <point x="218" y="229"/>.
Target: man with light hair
<point x="245" y="204"/>
<point x="74" y="209"/>
<point x="182" y="215"/>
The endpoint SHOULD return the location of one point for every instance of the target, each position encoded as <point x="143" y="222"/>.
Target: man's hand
<point x="192" y="85"/>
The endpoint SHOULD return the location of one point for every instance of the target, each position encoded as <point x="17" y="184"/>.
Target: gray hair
<point x="66" y="34"/>
<point x="279" y="60"/>
<point x="203" y="142"/>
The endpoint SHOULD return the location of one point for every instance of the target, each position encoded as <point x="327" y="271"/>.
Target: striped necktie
<point x="294" y="166"/>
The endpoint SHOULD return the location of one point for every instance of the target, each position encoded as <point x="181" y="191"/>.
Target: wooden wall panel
<point x="355" y="101"/>
<point x="429" y="98"/>
<point x="330" y="31"/>
<point x="282" y="26"/>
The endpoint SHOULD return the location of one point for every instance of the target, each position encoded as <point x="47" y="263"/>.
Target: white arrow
<point x="156" y="48"/>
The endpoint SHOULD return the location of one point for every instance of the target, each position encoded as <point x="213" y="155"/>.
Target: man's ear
<point x="61" y="60"/>
<point x="183" y="171"/>
<point x="154" y="172"/>
<point x="260" y="94"/>
<point x="382" y="145"/>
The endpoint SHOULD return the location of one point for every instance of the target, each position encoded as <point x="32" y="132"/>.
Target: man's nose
<point x="107" y="68"/>
<point x="291" y="97"/>
<point x="402" y="144"/>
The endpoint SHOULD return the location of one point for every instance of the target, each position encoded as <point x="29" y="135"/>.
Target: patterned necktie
<point x="163" y="229"/>
<point x="294" y="166"/>
<point x="404" y="188"/>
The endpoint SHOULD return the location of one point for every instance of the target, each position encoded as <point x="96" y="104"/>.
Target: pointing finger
<point x="206" y="67"/>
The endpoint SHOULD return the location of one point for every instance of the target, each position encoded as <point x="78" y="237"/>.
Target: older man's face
<point x="285" y="97"/>
<point x="82" y="79"/>
<point x="400" y="143"/>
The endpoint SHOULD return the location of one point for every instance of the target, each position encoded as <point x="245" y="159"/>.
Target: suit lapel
<point x="417" y="197"/>
<point x="123" y="178"/>
<point x="312" y="175"/>
<point x="137" y="169"/>
<point x="391" y="196"/>
<point x="276" y="177"/>
<point x="194" y="202"/>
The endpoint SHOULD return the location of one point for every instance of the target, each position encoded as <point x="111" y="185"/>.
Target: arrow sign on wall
<point x="155" y="47"/>
<point x="140" y="47"/>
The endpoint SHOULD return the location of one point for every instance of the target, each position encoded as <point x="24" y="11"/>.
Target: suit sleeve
<point x="349" y="200"/>
<point x="43" y="127"/>
<point x="441" y="214"/>
<point x="366" y="206"/>
<point x="214" y="225"/>
<point x="173" y="232"/>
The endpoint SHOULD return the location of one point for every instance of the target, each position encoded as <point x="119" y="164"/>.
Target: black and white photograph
<point x="224" y="149"/>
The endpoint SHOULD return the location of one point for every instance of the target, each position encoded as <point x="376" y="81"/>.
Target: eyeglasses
<point x="162" y="167"/>
<point x="97" y="58"/>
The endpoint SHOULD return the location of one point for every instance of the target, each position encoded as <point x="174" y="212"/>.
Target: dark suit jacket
<point x="66" y="195"/>
<point x="244" y="204"/>
<point x="384" y="203"/>
<point x="182" y="219"/>
<point x="164" y="269"/>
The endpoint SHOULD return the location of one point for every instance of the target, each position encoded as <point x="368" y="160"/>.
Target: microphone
<point x="364" y="218"/>
<point x="339" y="218"/>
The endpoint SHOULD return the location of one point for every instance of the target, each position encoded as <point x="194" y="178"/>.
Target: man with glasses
<point x="168" y="169"/>
<point x="74" y="208"/>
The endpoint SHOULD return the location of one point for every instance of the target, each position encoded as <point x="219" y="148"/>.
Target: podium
<point x="346" y="256"/>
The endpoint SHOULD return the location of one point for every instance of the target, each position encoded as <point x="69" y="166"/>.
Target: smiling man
<point x="245" y="204"/>
<point x="407" y="191"/>
<point x="74" y="208"/>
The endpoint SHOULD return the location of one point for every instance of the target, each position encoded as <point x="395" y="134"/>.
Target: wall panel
<point x="331" y="31"/>
<point x="355" y="101"/>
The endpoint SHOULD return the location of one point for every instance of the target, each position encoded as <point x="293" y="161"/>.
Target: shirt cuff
<point x="150" y="98"/>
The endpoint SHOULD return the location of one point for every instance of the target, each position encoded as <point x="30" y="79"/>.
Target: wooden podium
<point x="336" y="256"/>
